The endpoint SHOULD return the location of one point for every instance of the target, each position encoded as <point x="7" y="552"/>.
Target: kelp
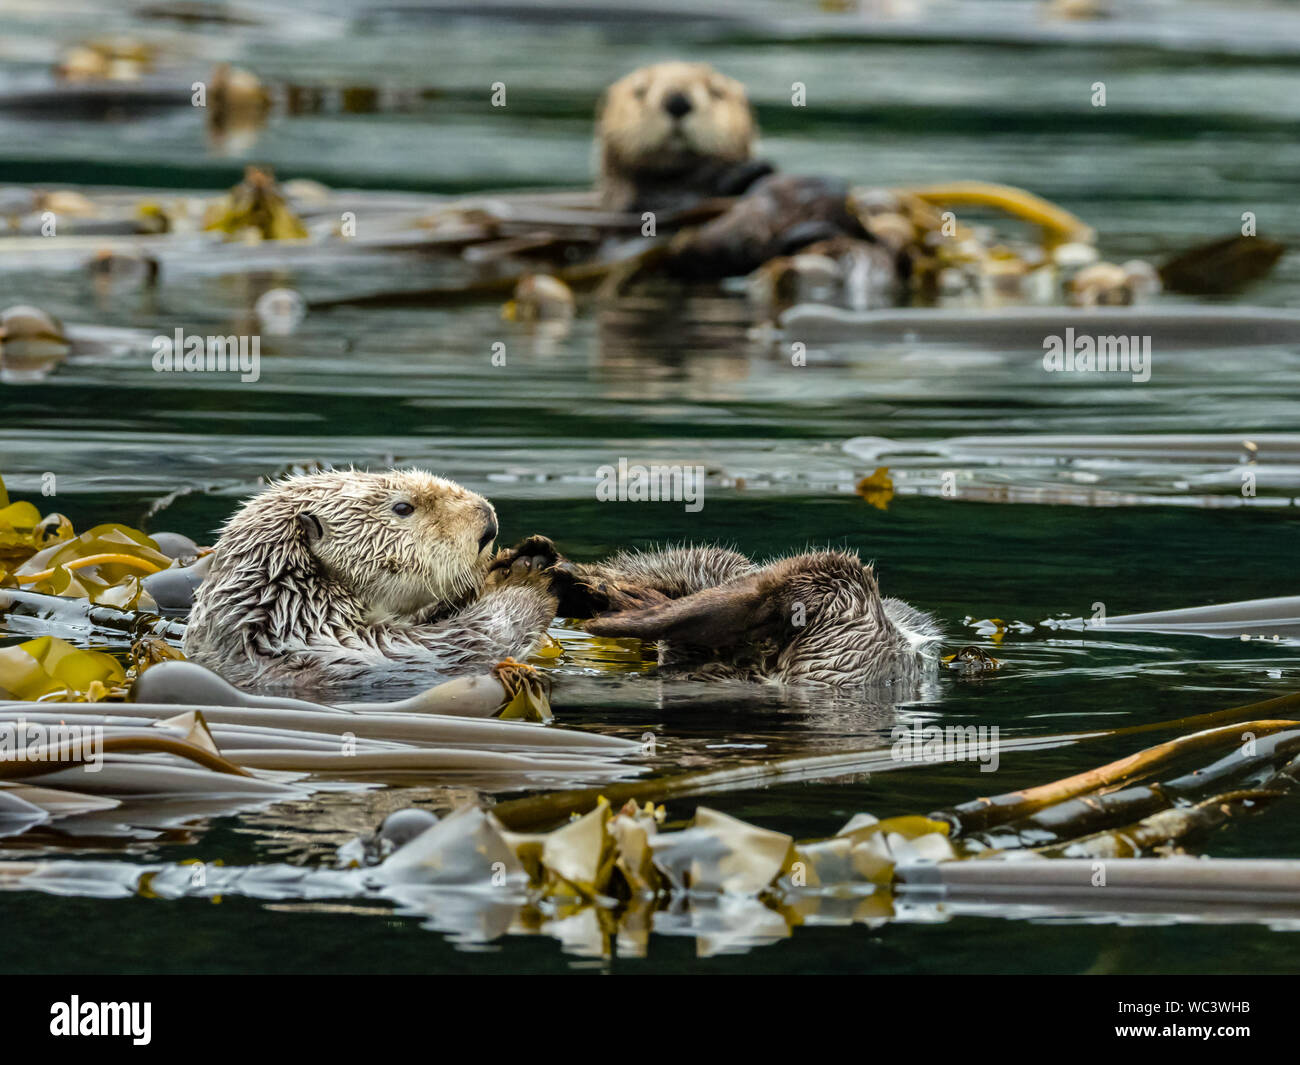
<point x="1162" y="803"/>
<point x="607" y="876"/>
<point x="195" y="745"/>
<point x="24" y="532"/>
<point x="608" y="854"/>
<point x="510" y="686"/>
<point x="601" y="853"/>
<point x="105" y="564"/>
<point x="452" y="897"/>
<point x="254" y="209"/>
<point x="877" y="488"/>
<point x="48" y="668"/>
<point x="527" y="692"/>
<point x="1275" y="617"/>
<point x="342" y="746"/>
<point x="82" y="618"/>
<point x="534" y="810"/>
<point x="1057" y="224"/>
<point x="582" y="246"/>
<point x="1162" y="829"/>
<point x="984" y="813"/>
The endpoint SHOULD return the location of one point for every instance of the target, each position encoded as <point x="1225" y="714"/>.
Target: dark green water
<point x="1187" y="142"/>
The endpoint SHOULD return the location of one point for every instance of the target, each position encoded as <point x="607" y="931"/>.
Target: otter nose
<point x="678" y="105"/>
<point x="489" y="527"/>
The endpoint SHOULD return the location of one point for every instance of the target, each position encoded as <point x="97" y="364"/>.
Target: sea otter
<point x="816" y="618"/>
<point x="322" y="577"/>
<point x="670" y="134"/>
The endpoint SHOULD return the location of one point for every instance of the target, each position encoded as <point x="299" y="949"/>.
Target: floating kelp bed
<point x="80" y="768"/>
<point x="605" y="880"/>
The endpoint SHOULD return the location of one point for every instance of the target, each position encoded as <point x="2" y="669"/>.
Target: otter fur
<point x="671" y="134"/>
<point x="323" y="577"/>
<point x="816" y="618"/>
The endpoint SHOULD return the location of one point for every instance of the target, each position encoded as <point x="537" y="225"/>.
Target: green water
<point x="1187" y="142"/>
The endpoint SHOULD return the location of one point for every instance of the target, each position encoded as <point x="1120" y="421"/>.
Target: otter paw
<point x="527" y="692"/>
<point x="527" y="562"/>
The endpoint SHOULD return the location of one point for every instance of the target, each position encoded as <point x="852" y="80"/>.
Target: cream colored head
<point x="397" y="545"/>
<point x="402" y="541"/>
<point x="670" y="116"/>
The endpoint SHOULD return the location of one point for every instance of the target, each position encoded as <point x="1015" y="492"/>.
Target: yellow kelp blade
<point x="1058" y="224"/>
<point x="48" y="666"/>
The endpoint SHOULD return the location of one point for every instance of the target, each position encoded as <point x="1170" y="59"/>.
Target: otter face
<point x="671" y="116"/>
<point x="404" y="543"/>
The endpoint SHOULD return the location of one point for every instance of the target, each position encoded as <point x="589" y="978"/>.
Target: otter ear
<point x="311" y="526"/>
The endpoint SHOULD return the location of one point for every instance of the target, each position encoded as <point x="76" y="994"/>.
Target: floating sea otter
<point x="323" y="577"/>
<point x="673" y="136"/>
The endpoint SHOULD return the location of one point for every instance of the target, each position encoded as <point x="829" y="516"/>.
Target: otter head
<point x="669" y="120"/>
<point x="318" y="556"/>
<point x="404" y="543"/>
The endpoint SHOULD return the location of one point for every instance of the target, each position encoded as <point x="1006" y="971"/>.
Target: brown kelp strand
<point x="1167" y="827"/>
<point x="1268" y="708"/>
<point x="1069" y="819"/>
<point x="553" y="807"/>
<point x="985" y="813"/>
<point x="45" y="759"/>
<point x="1087" y="814"/>
<point x="1257" y="757"/>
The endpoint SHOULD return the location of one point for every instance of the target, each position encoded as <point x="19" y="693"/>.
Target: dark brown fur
<point x="816" y="618"/>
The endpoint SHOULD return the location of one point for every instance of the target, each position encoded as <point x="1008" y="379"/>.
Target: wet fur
<point x="816" y="618"/>
<point x="316" y="582"/>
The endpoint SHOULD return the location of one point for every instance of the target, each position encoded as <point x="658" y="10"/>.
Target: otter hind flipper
<point x="816" y="618"/>
<point x="633" y="580"/>
<point x="713" y="618"/>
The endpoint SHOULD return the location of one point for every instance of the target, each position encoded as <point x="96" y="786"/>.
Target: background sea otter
<point x="321" y="578"/>
<point x="671" y="133"/>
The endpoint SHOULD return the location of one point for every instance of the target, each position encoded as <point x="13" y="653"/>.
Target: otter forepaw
<point x="527" y="561"/>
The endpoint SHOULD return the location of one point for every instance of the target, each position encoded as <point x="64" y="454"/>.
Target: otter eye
<point x="403" y="510"/>
<point x="640" y="91"/>
<point x="717" y="92"/>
